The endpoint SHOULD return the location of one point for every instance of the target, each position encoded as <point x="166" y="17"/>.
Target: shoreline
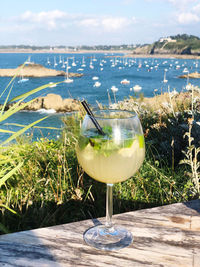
<point x="127" y="53"/>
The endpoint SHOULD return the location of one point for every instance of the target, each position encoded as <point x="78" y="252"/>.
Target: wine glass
<point x="110" y="156"/>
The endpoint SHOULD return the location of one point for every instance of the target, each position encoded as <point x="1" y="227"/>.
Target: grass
<point x="11" y="165"/>
<point x="42" y="184"/>
<point x="51" y="188"/>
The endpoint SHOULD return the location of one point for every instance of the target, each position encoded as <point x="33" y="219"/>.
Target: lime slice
<point x="141" y="141"/>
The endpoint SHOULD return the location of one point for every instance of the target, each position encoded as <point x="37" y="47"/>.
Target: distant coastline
<point x="127" y="53"/>
<point x="60" y="51"/>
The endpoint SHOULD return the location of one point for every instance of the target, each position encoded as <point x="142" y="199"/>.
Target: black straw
<point x="91" y="115"/>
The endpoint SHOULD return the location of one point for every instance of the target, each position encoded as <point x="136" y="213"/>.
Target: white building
<point x="166" y="39"/>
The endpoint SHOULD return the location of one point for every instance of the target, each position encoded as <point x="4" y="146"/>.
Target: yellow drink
<point x="109" y="166"/>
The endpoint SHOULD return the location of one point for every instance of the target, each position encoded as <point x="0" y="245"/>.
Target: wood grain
<point x="163" y="236"/>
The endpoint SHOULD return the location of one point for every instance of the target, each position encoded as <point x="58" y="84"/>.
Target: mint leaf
<point x="128" y="143"/>
<point x="107" y="130"/>
<point x="83" y="141"/>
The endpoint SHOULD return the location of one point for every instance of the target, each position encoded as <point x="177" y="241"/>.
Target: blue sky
<point x="93" y="22"/>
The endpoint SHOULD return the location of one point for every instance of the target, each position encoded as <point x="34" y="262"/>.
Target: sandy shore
<point x="163" y="56"/>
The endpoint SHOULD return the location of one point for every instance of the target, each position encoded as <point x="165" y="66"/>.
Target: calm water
<point x="148" y="73"/>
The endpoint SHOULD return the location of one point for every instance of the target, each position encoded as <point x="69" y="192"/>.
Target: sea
<point x="101" y="72"/>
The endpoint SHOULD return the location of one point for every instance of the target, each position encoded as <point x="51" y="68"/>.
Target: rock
<point x="35" y="105"/>
<point x="51" y="101"/>
<point x="194" y="75"/>
<point x="35" y="70"/>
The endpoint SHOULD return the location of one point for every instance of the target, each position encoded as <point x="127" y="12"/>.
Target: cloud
<point x="113" y="24"/>
<point x="188" y="18"/>
<point x="89" y="22"/>
<point x="187" y="11"/>
<point x="56" y="19"/>
<point x="182" y="3"/>
<point x="107" y="23"/>
<point x="196" y="8"/>
<point x="49" y="19"/>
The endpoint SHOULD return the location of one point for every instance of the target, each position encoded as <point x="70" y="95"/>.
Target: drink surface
<point x="110" y="160"/>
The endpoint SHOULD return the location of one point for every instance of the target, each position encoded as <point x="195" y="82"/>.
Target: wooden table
<point x="163" y="236"/>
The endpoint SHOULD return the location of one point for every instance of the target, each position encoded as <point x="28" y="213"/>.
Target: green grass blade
<point x="16" y="74"/>
<point x="5" y="131"/>
<point x="15" y="135"/>
<point x="10" y="173"/>
<point x="25" y="95"/>
<point x="38" y="127"/>
<point x="6" y="207"/>
<point x="5" y="161"/>
<point x="5" y="102"/>
<point x="15" y="108"/>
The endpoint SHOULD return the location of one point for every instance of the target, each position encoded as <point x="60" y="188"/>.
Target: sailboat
<point x="22" y="79"/>
<point x="73" y="63"/>
<point x="48" y="61"/>
<point x="91" y="65"/>
<point x="55" y="63"/>
<point x="28" y="61"/>
<point x="83" y="63"/>
<point x="67" y="80"/>
<point x="165" y="80"/>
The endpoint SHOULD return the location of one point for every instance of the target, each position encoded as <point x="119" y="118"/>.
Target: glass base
<point x="108" y="238"/>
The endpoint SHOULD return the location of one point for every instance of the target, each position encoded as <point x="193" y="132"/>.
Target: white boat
<point x="94" y="59"/>
<point x="68" y="80"/>
<point x="185" y="70"/>
<point x="97" y="84"/>
<point x="114" y="89"/>
<point x="55" y="63"/>
<point x="52" y="84"/>
<point x="164" y="79"/>
<point x="95" y="78"/>
<point x="73" y="63"/>
<point x="83" y="63"/>
<point x="22" y="80"/>
<point x="137" y="88"/>
<point x="125" y="81"/>
<point x="48" y="61"/>
<point x="28" y="61"/>
<point x="63" y="65"/>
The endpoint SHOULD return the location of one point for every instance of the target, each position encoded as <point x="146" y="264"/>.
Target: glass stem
<point x="109" y="205"/>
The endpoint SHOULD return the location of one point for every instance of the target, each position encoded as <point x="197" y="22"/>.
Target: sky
<point x="95" y="22"/>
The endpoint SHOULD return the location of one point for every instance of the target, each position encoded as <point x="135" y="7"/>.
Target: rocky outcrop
<point x="53" y="101"/>
<point x="146" y="49"/>
<point x="35" y="70"/>
<point x="194" y="75"/>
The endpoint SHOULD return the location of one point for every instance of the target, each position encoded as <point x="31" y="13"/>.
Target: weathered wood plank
<point x="163" y="236"/>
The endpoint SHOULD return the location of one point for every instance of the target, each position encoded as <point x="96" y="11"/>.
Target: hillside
<point x="178" y="45"/>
